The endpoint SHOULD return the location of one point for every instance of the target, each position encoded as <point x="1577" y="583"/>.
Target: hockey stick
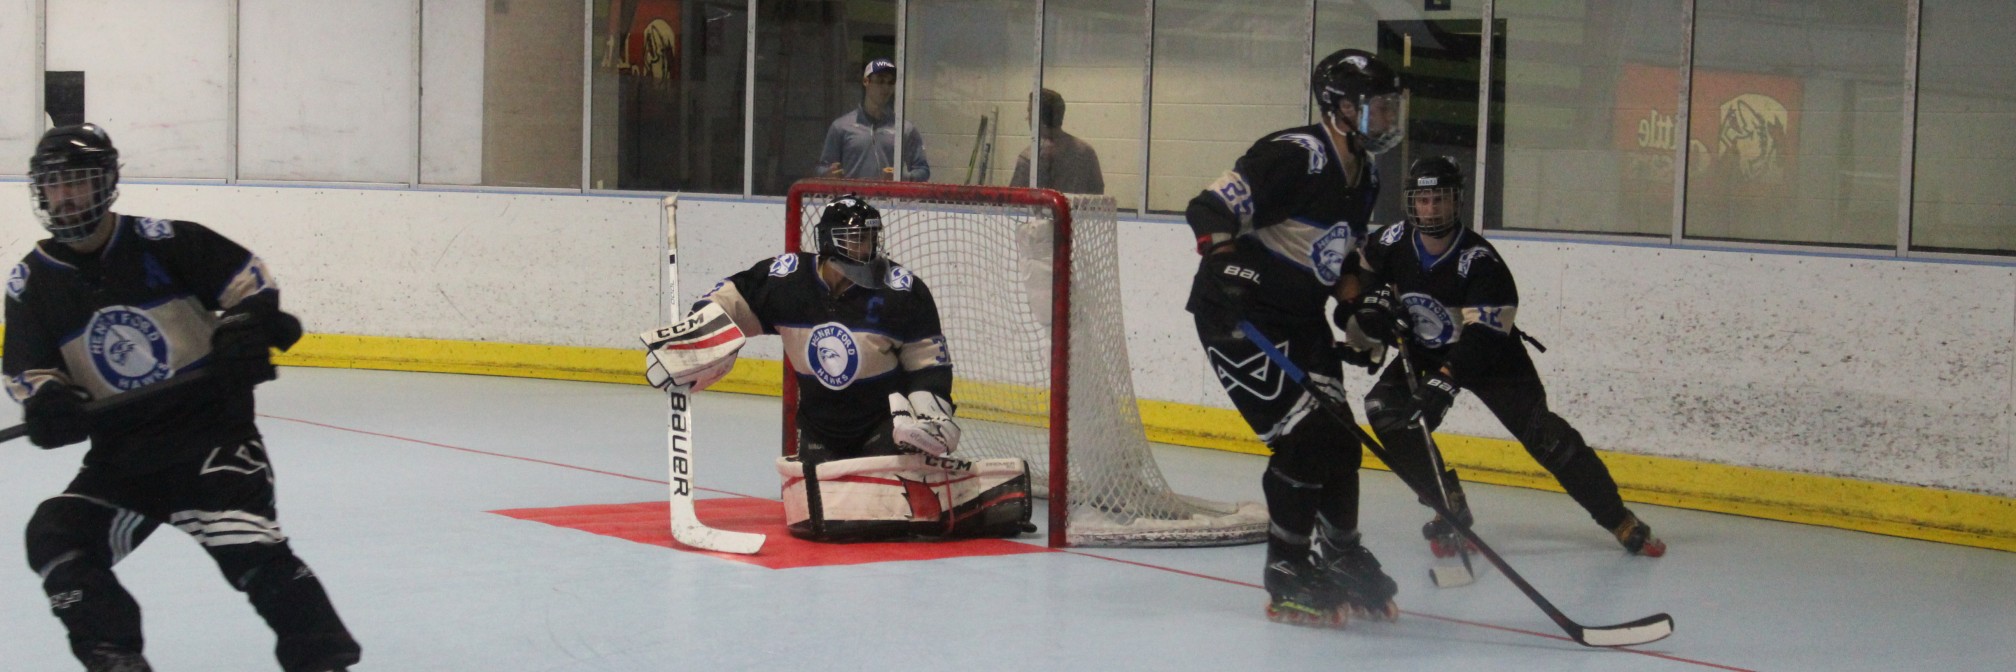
<point x="101" y="406"/>
<point x="1642" y="631"/>
<point x="1444" y="577"/>
<point x="686" y="525"/>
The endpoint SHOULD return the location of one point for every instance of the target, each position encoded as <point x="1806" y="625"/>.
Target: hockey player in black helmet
<point x="113" y="303"/>
<point x="850" y="239"/>
<point x="1455" y="298"/>
<point x="1279" y="234"/>
<point x="74" y="178"/>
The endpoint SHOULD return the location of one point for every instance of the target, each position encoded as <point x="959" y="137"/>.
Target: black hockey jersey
<point x="1462" y="302"/>
<point x="848" y="352"/>
<point x="138" y="311"/>
<point x="1296" y="219"/>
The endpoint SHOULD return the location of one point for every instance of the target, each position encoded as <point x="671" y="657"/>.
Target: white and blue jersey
<point x="848" y="351"/>
<point x="138" y="311"/>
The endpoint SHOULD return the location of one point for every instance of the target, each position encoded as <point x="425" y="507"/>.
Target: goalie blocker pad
<point x="903" y="496"/>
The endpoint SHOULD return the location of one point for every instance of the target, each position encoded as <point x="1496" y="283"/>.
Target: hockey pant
<point x="903" y="496"/>
<point x="225" y="501"/>
<point x="1517" y="398"/>
<point x="1313" y="473"/>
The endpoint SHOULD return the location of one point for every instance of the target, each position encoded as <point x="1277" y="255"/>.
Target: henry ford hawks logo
<point x="1432" y="324"/>
<point x="1328" y="253"/>
<point x="128" y="347"/>
<point x="898" y="279"/>
<point x="833" y="355"/>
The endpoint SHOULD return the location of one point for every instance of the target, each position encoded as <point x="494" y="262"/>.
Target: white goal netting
<point x="988" y="255"/>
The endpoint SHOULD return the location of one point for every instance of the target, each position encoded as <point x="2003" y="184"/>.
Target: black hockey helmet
<point x="850" y="236"/>
<point x="1429" y="177"/>
<point x="73" y="178"/>
<point x="1372" y="87"/>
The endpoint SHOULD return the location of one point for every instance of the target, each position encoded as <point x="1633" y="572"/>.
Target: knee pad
<point x="1552" y="441"/>
<point x="254" y="567"/>
<point x="1316" y="449"/>
<point x="70" y="527"/>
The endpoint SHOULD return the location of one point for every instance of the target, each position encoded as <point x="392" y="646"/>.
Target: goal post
<point x="1027" y="284"/>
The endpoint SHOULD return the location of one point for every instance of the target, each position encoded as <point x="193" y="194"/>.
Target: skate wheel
<point x="1653" y="548"/>
<point x="1290" y="615"/>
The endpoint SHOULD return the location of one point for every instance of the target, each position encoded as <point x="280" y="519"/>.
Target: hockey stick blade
<point x="1642" y="631"/>
<point x="101" y="406"/>
<point x="1451" y="576"/>
<point x="1444" y="576"/>
<point x="686" y="525"/>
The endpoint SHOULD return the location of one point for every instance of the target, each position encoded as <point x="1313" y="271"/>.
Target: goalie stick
<point x="1642" y="631"/>
<point x="686" y="526"/>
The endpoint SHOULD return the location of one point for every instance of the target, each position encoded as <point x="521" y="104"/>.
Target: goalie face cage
<point x="1045" y="381"/>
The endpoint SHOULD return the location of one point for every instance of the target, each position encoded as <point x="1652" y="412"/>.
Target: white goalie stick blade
<point x="686" y="525"/>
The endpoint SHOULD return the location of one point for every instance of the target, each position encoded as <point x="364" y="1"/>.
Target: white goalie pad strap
<point x="698" y="350"/>
<point x="904" y="488"/>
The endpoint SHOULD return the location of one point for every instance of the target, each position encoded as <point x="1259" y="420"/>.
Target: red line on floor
<point x="1171" y="570"/>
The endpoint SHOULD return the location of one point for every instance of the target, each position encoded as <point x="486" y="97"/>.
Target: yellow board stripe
<point x="1906" y="511"/>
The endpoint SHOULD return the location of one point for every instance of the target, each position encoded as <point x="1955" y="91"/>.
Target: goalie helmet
<point x="1434" y="191"/>
<point x="1373" y="89"/>
<point x="850" y="236"/>
<point x="73" y="178"/>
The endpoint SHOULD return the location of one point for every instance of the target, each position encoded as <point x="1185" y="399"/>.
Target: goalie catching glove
<point x="923" y="423"/>
<point x="698" y="351"/>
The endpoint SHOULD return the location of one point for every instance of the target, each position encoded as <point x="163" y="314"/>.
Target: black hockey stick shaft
<point x="1645" y="630"/>
<point x="101" y="406"/>
<point x="1435" y="463"/>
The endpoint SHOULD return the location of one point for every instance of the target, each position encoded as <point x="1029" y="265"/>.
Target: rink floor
<point x="392" y="484"/>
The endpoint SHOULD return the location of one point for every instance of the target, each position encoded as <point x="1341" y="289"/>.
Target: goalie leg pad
<point x="905" y="496"/>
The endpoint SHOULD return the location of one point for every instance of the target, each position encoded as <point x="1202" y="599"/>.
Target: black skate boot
<point x="1443" y="539"/>
<point x="1349" y="568"/>
<point x="105" y="658"/>
<point x="1637" y="537"/>
<point x="1297" y="596"/>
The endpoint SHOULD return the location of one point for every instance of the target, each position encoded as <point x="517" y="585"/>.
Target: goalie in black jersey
<point x="1454" y="299"/>
<point x="876" y="434"/>
<point x="107" y="306"/>
<point x="1278" y="234"/>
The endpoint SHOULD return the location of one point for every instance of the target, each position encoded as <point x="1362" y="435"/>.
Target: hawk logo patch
<point x="833" y="355"/>
<point x="1472" y="254"/>
<point x="783" y="265"/>
<point x="1327" y="255"/>
<point x="898" y="278"/>
<point x="153" y="228"/>
<point x="1317" y="157"/>
<point x="17" y="280"/>
<point x="127" y="347"/>
<point x="1390" y="236"/>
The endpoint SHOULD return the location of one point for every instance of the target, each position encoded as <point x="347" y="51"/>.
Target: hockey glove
<point x="923" y="423"/>
<point x="55" y="416"/>
<point x="1436" y="394"/>
<point x="242" y="346"/>
<point x="1377" y="312"/>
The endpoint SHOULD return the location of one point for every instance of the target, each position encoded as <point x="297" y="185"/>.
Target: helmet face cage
<point x="859" y="240"/>
<point x="1434" y="195"/>
<point x="72" y="202"/>
<point x="73" y="180"/>
<point x="850" y="236"/>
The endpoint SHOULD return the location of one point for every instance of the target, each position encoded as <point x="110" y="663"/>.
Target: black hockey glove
<point x="1436" y="394"/>
<point x="1371" y="360"/>
<point x="1377" y="312"/>
<point x="55" y="416"/>
<point x="1235" y="281"/>
<point x="242" y="347"/>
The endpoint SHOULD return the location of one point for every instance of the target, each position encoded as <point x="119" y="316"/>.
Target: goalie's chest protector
<point x="841" y="342"/>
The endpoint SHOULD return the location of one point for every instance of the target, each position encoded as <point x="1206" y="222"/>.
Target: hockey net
<point x="1065" y="405"/>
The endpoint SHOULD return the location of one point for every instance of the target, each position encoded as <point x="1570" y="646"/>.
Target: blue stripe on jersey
<point x="1428" y="262"/>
